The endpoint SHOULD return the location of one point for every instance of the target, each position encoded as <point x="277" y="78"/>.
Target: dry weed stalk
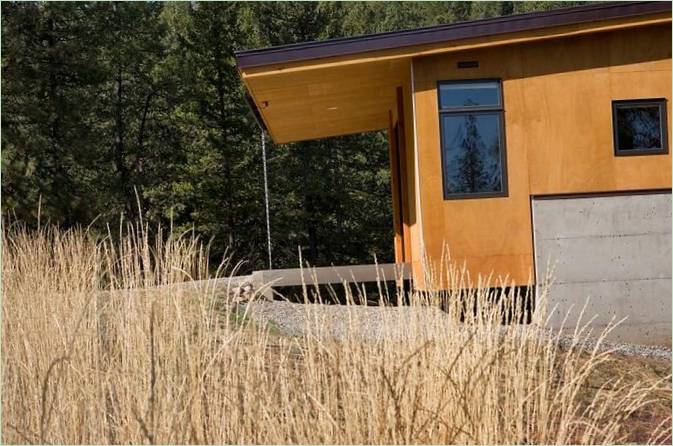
<point x="98" y="347"/>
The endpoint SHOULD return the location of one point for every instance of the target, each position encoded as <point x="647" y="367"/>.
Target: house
<point x="519" y="142"/>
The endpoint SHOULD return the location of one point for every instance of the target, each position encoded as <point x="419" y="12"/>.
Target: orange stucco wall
<point x="557" y="98"/>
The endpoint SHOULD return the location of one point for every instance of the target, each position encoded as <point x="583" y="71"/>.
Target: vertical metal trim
<point x="536" y="272"/>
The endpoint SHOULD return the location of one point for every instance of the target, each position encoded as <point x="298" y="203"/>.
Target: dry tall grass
<point x="97" y="347"/>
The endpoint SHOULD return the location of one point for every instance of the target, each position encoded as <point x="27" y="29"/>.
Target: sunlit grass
<point x="98" y="346"/>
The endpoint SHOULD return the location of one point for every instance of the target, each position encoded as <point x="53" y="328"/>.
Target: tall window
<point x="473" y="149"/>
<point x="640" y="127"/>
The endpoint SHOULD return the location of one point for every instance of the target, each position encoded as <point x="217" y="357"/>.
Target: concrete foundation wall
<point x="616" y="250"/>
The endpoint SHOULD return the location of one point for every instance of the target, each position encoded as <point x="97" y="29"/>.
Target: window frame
<point x="663" y="126"/>
<point x="498" y="110"/>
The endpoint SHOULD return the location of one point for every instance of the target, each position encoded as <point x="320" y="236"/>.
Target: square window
<point x="640" y="127"/>
<point x="472" y="139"/>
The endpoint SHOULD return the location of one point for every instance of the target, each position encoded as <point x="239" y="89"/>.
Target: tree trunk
<point x="119" y="149"/>
<point x="223" y="130"/>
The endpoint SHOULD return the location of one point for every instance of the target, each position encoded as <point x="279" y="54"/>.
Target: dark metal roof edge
<point x="425" y="29"/>
<point x="440" y="33"/>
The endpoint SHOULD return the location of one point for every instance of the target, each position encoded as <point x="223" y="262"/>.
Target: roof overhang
<point x="335" y="87"/>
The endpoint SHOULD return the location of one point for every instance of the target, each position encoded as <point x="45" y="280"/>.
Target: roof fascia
<point x="461" y="45"/>
<point x="444" y="33"/>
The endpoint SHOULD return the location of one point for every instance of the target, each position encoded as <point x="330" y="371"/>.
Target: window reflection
<point x="638" y="127"/>
<point x="471" y="138"/>
<point x="472" y="153"/>
<point x="469" y="94"/>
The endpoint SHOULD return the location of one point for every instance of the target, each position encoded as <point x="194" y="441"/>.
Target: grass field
<point x="98" y="347"/>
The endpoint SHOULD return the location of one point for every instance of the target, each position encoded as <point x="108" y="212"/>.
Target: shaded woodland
<point x="115" y="110"/>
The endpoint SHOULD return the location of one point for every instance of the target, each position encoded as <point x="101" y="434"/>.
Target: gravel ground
<point x="621" y="348"/>
<point x="369" y="323"/>
<point x="334" y="321"/>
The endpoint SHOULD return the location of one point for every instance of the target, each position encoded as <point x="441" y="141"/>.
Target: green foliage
<point x="123" y="108"/>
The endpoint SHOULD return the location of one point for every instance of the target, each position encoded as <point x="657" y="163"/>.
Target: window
<point x="472" y="142"/>
<point x="640" y="127"/>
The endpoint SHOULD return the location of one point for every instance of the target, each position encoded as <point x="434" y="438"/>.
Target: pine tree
<point x="129" y="108"/>
<point x="49" y="75"/>
<point x="470" y="165"/>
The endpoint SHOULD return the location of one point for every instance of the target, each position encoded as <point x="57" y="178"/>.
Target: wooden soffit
<point x="344" y="86"/>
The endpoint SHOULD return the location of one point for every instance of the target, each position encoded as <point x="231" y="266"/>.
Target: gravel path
<point x="370" y="323"/>
<point x="339" y="321"/>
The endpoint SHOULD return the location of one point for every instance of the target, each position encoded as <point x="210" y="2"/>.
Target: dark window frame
<point x="499" y="110"/>
<point x="663" y="118"/>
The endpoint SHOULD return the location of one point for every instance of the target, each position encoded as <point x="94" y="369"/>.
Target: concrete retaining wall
<point x="617" y="251"/>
